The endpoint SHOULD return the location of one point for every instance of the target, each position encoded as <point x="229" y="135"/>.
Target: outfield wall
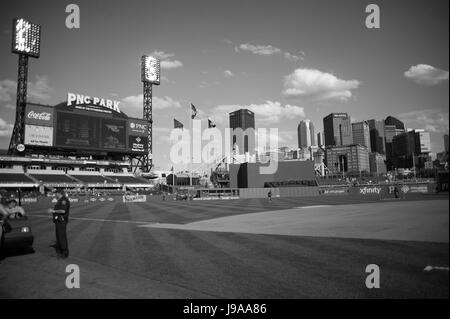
<point x="372" y="191"/>
<point x="279" y="192"/>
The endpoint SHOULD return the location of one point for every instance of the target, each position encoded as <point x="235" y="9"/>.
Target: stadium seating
<point x="128" y="179"/>
<point x="331" y="182"/>
<point x="14" y="178"/>
<point x="53" y="178"/>
<point x="292" y="183"/>
<point x="93" y="179"/>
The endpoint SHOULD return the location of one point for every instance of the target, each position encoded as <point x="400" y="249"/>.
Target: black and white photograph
<point x="224" y="155"/>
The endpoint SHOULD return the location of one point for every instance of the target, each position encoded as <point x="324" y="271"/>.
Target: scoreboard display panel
<point x="113" y="134"/>
<point x="81" y="130"/>
<point x="77" y="131"/>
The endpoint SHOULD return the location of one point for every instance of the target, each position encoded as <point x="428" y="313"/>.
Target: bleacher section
<point x="127" y="179"/>
<point x="94" y="179"/>
<point x="36" y="175"/>
<point x="331" y="182"/>
<point x="53" y="178"/>
<point x="15" y="178"/>
<point x="293" y="183"/>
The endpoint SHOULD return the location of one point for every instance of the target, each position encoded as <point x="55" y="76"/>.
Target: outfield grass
<point x="119" y="258"/>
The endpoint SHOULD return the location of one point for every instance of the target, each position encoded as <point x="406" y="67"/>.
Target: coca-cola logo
<point x="43" y="116"/>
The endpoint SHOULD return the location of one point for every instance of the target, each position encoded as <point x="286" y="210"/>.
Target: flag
<point x="211" y="123"/>
<point x="193" y="111"/>
<point x="177" y="124"/>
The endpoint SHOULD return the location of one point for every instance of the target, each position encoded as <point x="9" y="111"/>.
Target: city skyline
<point x="304" y="68"/>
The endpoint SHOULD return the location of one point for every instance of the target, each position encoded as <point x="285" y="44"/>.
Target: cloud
<point x="166" y="62"/>
<point x="171" y="64"/>
<point x="5" y="128"/>
<point x="311" y="83"/>
<point x="266" y="113"/>
<point x="426" y="74"/>
<point x="228" y="74"/>
<point x="133" y="105"/>
<point x="7" y="89"/>
<point x="37" y="90"/>
<point x="431" y="120"/>
<point x="268" y="50"/>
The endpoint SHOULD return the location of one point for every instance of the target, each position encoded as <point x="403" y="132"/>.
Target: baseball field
<point x="317" y="247"/>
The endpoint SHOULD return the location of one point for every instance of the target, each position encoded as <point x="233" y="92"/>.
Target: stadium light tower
<point x="26" y="40"/>
<point x="150" y="74"/>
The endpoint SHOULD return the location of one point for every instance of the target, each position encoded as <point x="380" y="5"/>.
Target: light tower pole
<point x="148" y="115"/>
<point x="26" y="42"/>
<point x="150" y="74"/>
<point x="17" y="137"/>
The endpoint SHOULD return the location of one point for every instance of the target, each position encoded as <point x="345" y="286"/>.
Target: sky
<point x="285" y="60"/>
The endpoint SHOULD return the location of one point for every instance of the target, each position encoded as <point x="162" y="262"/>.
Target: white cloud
<point x="431" y="120"/>
<point x="228" y="74"/>
<point x="37" y="90"/>
<point x="5" y="128"/>
<point x="426" y="74"/>
<point x="171" y="64"/>
<point x="166" y="62"/>
<point x="7" y="89"/>
<point x="266" y="113"/>
<point x="133" y="105"/>
<point x="318" y="85"/>
<point x="268" y="50"/>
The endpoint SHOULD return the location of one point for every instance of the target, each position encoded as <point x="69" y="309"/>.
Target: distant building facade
<point x="377" y="163"/>
<point x="377" y="137"/>
<point x="305" y="133"/>
<point x="240" y="121"/>
<point x="411" y="149"/>
<point x="348" y="159"/>
<point x="337" y="129"/>
<point x="361" y="134"/>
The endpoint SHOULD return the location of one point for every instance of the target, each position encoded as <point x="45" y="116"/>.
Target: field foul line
<point x="101" y="220"/>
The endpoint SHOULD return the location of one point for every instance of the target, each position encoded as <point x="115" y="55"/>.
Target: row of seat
<point x="62" y="179"/>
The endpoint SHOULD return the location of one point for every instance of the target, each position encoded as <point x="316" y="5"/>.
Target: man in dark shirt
<point x="61" y="217"/>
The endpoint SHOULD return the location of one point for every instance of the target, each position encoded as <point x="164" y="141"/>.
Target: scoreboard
<point x="81" y="130"/>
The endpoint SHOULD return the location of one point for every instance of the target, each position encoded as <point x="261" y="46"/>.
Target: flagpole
<point x="192" y="144"/>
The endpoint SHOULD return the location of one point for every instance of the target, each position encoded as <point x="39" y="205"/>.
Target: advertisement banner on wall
<point x="38" y="135"/>
<point x="335" y="191"/>
<point x="134" y="198"/>
<point x="138" y="144"/>
<point x="39" y="115"/>
<point x="419" y="189"/>
<point x="137" y="127"/>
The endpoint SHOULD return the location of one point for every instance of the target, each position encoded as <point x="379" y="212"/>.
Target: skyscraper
<point x="392" y="128"/>
<point x="320" y="139"/>
<point x="240" y="121"/>
<point x="377" y="134"/>
<point x="405" y="146"/>
<point x="361" y="134"/>
<point x="390" y="120"/>
<point x="305" y="132"/>
<point x="338" y="129"/>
